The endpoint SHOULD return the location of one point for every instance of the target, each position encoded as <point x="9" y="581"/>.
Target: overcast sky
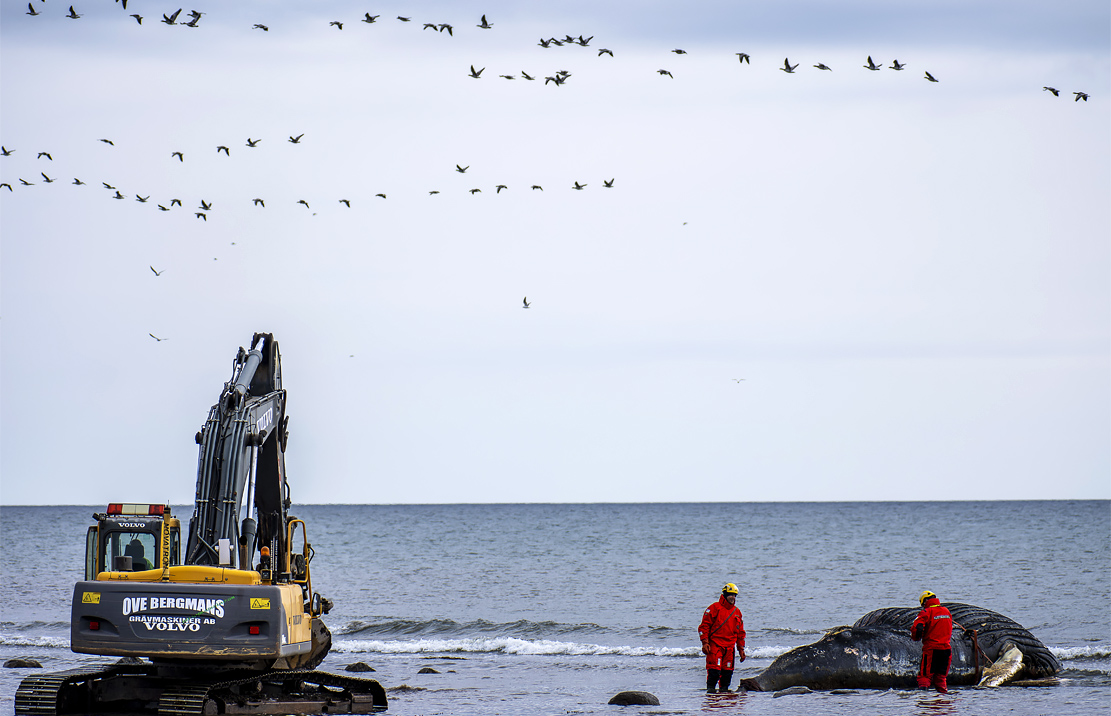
<point x="822" y="285"/>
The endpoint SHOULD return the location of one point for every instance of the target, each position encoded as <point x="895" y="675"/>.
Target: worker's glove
<point x="705" y="647"/>
<point x="741" y="654"/>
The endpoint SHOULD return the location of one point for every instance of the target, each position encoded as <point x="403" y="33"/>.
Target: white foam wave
<point x="49" y="642"/>
<point x="1081" y="652"/>
<point x="505" y="645"/>
<point x="526" y="647"/>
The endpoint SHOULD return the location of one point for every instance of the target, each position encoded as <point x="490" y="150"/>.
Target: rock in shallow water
<point x="359" y="666"/>
<point x="635" y="698"/>
<point x="22" y="664"/>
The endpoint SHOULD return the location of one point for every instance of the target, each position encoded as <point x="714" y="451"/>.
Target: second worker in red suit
<point x="723" y="634"/>
<point x="934" y="628"/>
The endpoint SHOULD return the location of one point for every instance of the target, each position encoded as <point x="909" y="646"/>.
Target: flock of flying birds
<point x="557" y="79"/>
<point x="201" y="211"/>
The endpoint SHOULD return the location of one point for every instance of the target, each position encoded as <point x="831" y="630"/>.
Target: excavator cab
<point x="129" y="538"/>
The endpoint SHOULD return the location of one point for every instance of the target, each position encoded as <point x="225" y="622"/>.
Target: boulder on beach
<point x="634" y="698"/>
<point x="359" y="666"/>
<point x="428" y="670"/>
<point x="22" y="664"/>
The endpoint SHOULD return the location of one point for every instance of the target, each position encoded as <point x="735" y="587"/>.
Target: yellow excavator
<point x="206" y="627"/>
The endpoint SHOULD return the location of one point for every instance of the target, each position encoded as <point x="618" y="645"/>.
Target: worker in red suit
<point x="934" y="628"/>
<point x="722" y="633"/>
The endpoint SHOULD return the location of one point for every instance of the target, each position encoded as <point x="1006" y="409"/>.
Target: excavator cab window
<point x="141" y="547"/>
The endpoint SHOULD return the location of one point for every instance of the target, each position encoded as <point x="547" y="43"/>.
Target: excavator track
<point x="80" y="691"/>
<point x="39" y="694"/>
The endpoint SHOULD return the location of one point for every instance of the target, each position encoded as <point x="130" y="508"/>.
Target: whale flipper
<point x="1005" y="668"/>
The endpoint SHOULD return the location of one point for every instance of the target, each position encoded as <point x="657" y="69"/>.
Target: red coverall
<point x="722" y="628"/>
<point x="934" y="627"/>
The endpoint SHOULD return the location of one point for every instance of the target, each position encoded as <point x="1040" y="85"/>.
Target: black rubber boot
<point x="712" y="677"/>
<point x="726" y="677"/>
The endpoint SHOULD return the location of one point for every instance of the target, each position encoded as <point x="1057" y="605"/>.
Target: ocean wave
<point x="34" y="626"/>
<point x="528" y="647"/>
<point x="414" y="627"/>
<point x="48" y="642"/>
<point x="505" y="645"/>
<point x="1088" y="653"/>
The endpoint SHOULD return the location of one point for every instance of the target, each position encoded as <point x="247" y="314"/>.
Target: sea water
<point x="553" y="609"/>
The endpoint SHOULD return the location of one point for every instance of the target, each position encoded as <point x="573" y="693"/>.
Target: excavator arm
<point x="242" y="461"/>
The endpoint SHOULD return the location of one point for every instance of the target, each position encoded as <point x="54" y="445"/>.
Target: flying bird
<point x="583" y="42"/>
<point x="72" y="13"/>
<point x="260" y="202"/>
<point x="5" y="152"/>
<point x="526" y="75"/>
<point x="156" y="337"/>
<point x="119" y="195"/>
<point x="604" y="51"/>
<point x="431" y="26"/>
<point x="484" y="25"/>
<point x="138" y="18"/>
<point x="31" y="10"/>
<point x="872" y="65"/>
<point x="680" y="52"/>
<point x="404" y="19"/>
<point x="264" y="28"/>
<point x="500" y="187"/>
<point x="179" y="155"/>
<point x="297" y="139"/>
<point x="1080" y="96"/>
<point x="445" y="26"/>
<point x="108" y="141"/>
<point x="252" y="142"/>
<point x="24" y="182"/>
<point x="665" y="72"/>
<point x="193" y="22"/>
<point x="537" y="186"/>
<point x="930" y="77"/>
<point x="45" y="154"/>
<point x="223" y="149"/>
<point x="345" y="202"/>
<point x="6" y="184"/>
<point x="107" y="185"/>
<point x="381" y="195"/>
<point x="462" y="170"/>
<point x="434" y="191"/>
<point x="508" y="77"/>
<point x="1054" y="90"/>
<point x="78" y="182"/>
<point x="476" y="74"/>
<point x="823" y="66"/>
<point x="336" y="23"/>
<point x="370" y="18"/>
<point x="175" y="201"/>
<point x="45" y="178"/>
<point x="896" y="65"/>
<point x="475" y="191"/>
<point x="788" y="67"/>
<point x="579" y="186"/>
<point x="171" y="19"/>
<point x="527" y="304"/>
<point x="162" y="208"/>
<point x="202" y="215"/>
<point x="142" y="199"/>
<point x="156" y="272"/>
<point x="608" y="184"/>
<point x="302" y="201"/>
<point x="743" y="57"/>
<point x="205" y="206"/>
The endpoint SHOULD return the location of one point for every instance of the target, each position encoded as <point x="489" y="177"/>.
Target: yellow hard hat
<point x="926" y="595"/>
<point x="729" y="589"/>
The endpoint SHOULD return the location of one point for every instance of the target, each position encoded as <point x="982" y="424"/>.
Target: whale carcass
<point x="877" y="653"/>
